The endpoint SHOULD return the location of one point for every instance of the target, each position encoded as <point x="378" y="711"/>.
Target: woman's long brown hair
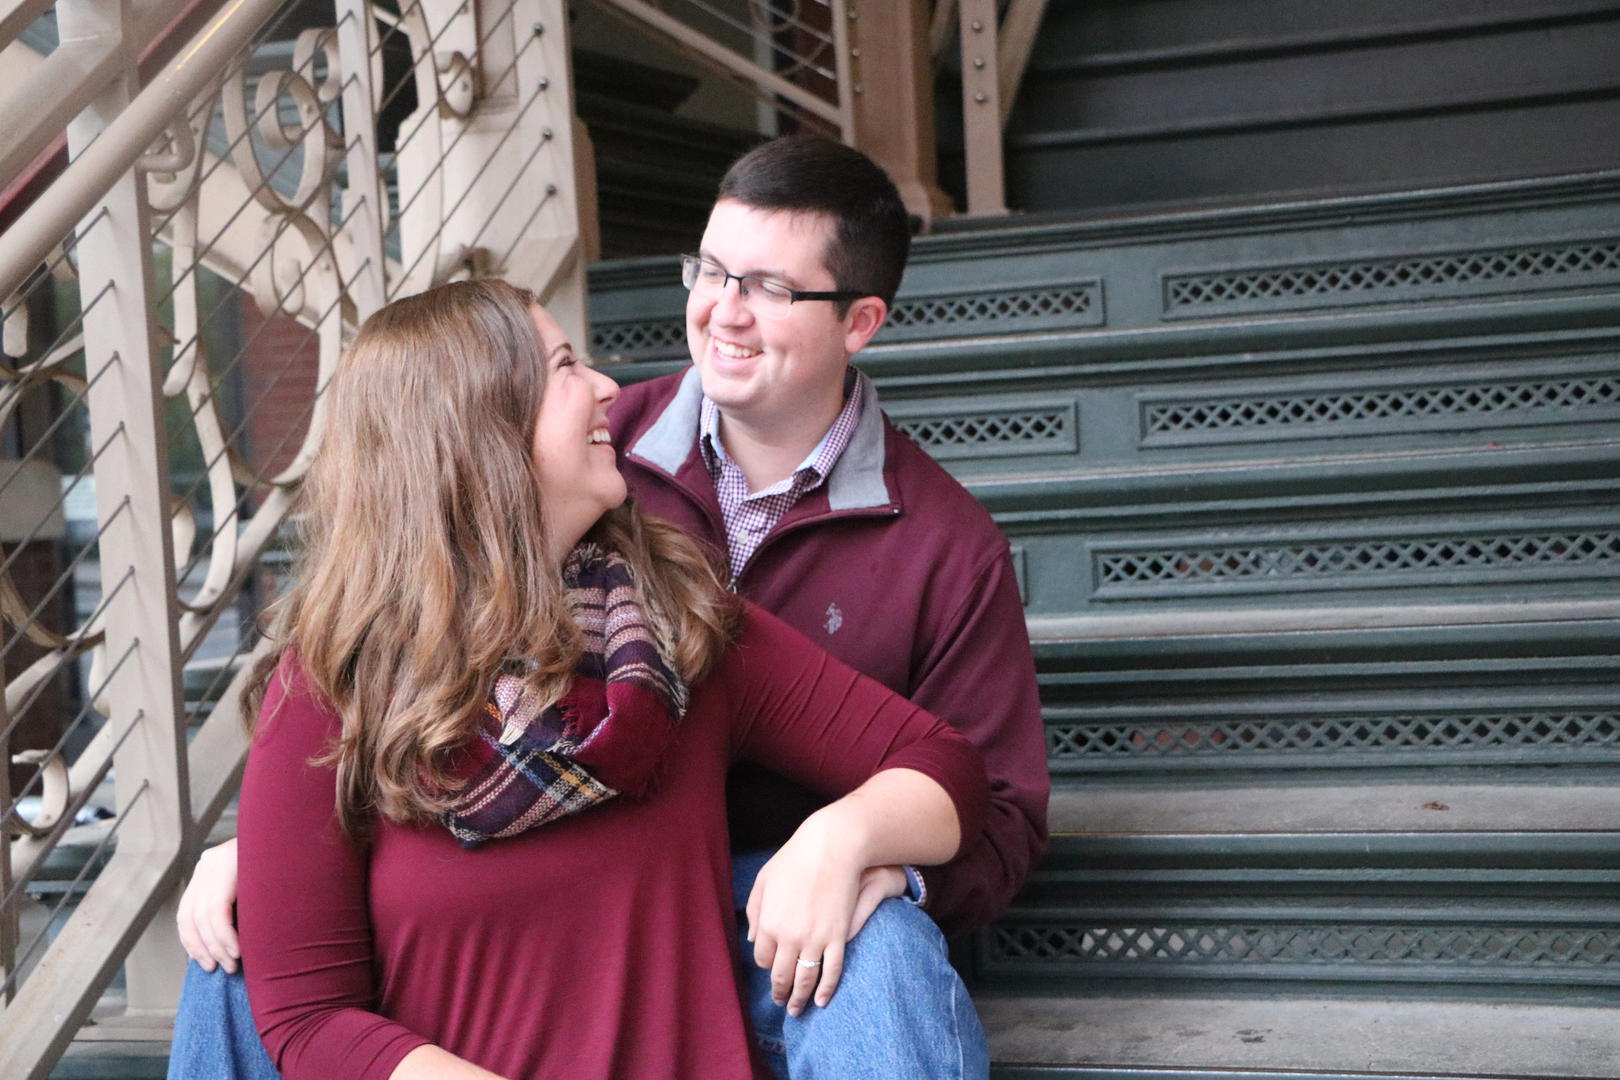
<point x="422" y="560"/>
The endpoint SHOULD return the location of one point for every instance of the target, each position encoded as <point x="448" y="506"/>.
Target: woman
<point x="482" y="824"/>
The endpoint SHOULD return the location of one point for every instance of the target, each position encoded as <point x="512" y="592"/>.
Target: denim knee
<point x="214" y="1035"/>
<point x="900" y="932"/>
<point x="900" y="1009"/>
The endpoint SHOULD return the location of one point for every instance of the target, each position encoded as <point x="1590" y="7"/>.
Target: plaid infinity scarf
<point x="527" y="766"/>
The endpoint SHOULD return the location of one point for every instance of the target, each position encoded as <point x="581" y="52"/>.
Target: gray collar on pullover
<point x="855" y="483"/>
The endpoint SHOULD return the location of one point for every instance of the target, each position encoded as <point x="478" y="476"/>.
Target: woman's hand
<point x="207" y="927"/>
<point x="825" y="882"/>
<point x="802" y="906"/>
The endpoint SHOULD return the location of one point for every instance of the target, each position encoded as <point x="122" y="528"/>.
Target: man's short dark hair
<point x="811" y="174"/>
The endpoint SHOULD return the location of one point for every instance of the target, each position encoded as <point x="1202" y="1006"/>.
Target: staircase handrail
<point x="160" y="29"/>
<point x="225" y="223"/>
<point x="87" y="180"/>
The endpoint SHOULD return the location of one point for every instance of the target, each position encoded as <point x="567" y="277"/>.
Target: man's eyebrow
<point x="775" y="275"/>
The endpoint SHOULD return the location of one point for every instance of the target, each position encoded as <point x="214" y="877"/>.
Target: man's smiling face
<point x="760" y="371"/>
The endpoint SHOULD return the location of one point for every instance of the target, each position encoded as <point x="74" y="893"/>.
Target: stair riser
<point x="1396" y="712"/>
<point x="1490" y="545"/>
<point x="1532" y="954"/>
<point x="1493" y="915"/>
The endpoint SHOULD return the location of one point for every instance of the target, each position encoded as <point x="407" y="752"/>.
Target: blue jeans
<point x="214" y="1037"/>
<point x="900" y="1010"/>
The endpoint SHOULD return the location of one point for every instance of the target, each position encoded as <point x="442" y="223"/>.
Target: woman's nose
<point x="606" y="389"/>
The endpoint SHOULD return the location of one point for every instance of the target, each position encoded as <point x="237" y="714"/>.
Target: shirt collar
<point x="820" y="461"/>
<point x="857" y="482"/>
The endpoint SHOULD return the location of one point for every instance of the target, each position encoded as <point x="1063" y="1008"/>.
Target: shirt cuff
<point x="916" y="887"/>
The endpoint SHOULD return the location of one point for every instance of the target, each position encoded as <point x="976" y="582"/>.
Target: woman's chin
<point x="609" y="504"/>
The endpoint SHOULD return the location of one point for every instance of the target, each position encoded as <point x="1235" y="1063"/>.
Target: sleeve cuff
<point x="916" y="887"/>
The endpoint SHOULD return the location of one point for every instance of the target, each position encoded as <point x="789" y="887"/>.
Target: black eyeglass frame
<point x="794" y="295"/>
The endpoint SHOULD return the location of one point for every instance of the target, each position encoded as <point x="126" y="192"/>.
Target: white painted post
<point x="364" y="200"/>
<point x="132" y="500"/>
<point x="532" y="234"/>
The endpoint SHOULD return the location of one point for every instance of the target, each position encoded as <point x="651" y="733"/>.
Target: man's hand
<point x="207" y="928"/>
<point x="878" y="883"/>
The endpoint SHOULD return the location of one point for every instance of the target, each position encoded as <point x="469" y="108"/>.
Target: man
<point x="773" y="449"/>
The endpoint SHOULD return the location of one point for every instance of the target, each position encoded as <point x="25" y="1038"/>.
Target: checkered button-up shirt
<point x="750" y="516"/>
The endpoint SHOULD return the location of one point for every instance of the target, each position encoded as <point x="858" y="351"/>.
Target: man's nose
<point x="731" y="306"/>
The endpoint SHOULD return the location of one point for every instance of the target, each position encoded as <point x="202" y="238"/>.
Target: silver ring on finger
<point x="808" y="963"/>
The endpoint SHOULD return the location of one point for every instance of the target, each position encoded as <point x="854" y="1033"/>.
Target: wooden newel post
<point x="892" y="88"/>
<point x="981" y="109"/>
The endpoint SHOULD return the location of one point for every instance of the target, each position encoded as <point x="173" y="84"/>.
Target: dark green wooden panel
<point x="1342" y="726"/>
<point x="1536" y="948"/>
<point x="1405" y="277"/>
<point x="1263" y="700"/>
<point x="1493" y="392"/>
<point x="1484" y="914"/>
<point x="1375" y="443"/>
<point x="1531" y="256"/>
<point x="1512" y="542"/>
<point x="1298" y="494"/>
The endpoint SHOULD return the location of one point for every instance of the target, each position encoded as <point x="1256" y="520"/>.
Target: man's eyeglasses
<point x="763" y="296"/>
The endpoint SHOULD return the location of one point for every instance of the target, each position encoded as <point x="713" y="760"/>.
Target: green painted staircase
<point x="1314" y="507"/>
<point x="1315" y="510"/>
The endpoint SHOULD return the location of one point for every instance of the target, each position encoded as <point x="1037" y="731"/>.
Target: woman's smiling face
<point x="573" y="456"/>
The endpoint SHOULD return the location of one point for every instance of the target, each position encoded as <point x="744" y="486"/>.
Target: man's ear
<point x="865" y="318"/>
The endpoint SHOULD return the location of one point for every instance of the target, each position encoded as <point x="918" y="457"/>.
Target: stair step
<point x="1429" y="885"/>
<point x="133" y="1050"/>
<point x="1541" y="803"/>
<point x="1053" y="632"/>
<point x="1194" y="1038"/>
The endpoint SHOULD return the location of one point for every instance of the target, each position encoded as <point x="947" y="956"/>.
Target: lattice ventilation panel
<point x="1596" y="549"/>
<point x="994" y="312"/>
<point x="647" y="339"/>
<point x="981" y="434"/>
<point x="1548" y="266"/>
<point x="1235" y="414"/>
<point x="1503" y="949"/>
<point x="1417" y="738"/>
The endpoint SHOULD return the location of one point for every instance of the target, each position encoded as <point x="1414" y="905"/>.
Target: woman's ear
<point x="865" y="319"/>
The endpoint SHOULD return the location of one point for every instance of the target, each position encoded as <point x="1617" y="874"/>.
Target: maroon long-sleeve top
<point x="599" y="946"/>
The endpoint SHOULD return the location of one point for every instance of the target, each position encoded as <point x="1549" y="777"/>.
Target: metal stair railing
<point x="795" y="58"/>
<point x="173" y="304"/>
